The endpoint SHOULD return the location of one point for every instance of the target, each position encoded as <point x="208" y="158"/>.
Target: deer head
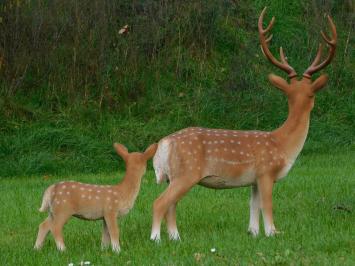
<point x="301" y="92"/>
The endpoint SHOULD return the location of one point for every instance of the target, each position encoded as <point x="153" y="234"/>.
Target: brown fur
<point x="219" y="158"/>
<point x="93" y="202"/>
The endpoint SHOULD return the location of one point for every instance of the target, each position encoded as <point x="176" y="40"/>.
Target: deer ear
<point x="279" y="82"/>
<point x="319" y="83"/>
<point x="150" y="151"/>
<point x="121" y="150"/>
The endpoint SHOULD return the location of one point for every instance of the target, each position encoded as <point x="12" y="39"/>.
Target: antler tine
<point x="332" y="46"/>
<point x="282" y="55"/>
<point x="269" y="39"/>
<point x="283" y="65"/>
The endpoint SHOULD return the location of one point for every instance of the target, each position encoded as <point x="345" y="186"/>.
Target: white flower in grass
<point x="87" y="263"/>
<point x="213" y="250"/>
<point x="71" y="264"/>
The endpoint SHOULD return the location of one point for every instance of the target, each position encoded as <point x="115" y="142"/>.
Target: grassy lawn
<point x="314" y="207"/>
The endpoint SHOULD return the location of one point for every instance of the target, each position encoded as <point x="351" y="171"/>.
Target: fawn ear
<point x="279" y="82"/>
<point x="150" y="151"/>
<point x="319" y="83"/>
<point x="121" y="150"/>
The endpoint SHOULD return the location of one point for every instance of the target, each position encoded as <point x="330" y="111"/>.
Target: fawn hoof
<point x="273" y="232"/>
<point x="253" y="231"/>
<point x="155" y="236"/>
<point x="105" y="246"/>
<point x="61" y="247"/>
<point x="37" y="247"/>
<point x="174" y="235"/>
<point x="116" y="248"/>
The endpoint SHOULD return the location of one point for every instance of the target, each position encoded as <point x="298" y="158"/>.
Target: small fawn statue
<point x="93" y="202"/>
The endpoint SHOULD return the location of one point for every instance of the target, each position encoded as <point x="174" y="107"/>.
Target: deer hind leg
<point x="105" y="240"/>
<point x="112" y="227"/>
<point x="265" y="185"/>
<point x="254" y="211"/>
<point x="171" y="222"/>
<point x="58" y="221"/>
<point x="175" y="191"/>
<point x="43" y="230"/>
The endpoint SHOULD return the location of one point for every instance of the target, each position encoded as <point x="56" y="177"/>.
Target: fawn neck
<point x="293" y="133"/>
<point x="131" y="182"/>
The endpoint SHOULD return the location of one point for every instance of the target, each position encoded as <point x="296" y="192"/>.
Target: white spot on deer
<point x="208" y="151"/>
<point x="97" y="197"/>
<point x="233" y="151"/>
<point x="258" y="142"/>
<point x="225" y="149"/>
<point x="231" y="141"/>
<point x="222" y="141"/>
<point x="83" y="196"/>
<point x="89" y="197"/>
<point x="241" y="153"/>
<point x="270" y="152"/>
<point x="108" y="198"/>
<point x="60" y="192"/>
<point x="68" y="192"/>
<point x="64" y="186"/>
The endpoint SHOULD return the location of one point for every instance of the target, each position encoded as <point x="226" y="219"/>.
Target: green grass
<point x="314" y="207"/>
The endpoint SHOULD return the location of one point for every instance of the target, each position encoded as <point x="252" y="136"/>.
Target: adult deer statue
<point x="220" y="158"/>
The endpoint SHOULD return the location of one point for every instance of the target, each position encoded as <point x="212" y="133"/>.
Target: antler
<point x="264" y="45"/>
<point x="332" y="46"/>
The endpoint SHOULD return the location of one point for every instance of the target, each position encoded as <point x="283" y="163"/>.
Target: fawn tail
<point x="47" y="198"/>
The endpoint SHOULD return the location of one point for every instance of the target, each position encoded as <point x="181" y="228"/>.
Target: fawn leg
<point x="43" y="230"/>
<point x="58" y="222"/>
<point x="112" y="227"/>
<point x="105" y="240"/>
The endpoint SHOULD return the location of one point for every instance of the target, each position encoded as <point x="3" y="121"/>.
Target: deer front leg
<point x="171" y="222"/>
<point x="174" y="192"/>
<point x="265" y="185"/>
<point x="254" y="211"/>
<point x="105" y="240"/>
<point x="112" y="227"/>
<point x="43" y="230"/>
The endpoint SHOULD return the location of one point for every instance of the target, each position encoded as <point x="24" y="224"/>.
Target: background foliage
<point x="71" y="85"/>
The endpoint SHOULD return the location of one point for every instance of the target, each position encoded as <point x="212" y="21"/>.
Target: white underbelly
<point x="220" y="182"/>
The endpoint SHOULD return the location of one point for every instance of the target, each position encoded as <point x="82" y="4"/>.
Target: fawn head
<point x="135" y="161"/>
<point x="300" y="93"/>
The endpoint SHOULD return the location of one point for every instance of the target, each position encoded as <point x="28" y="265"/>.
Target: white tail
<point x="92" y="202"/>
<point x="220" y="158"/>
<point x="47" y="198"/>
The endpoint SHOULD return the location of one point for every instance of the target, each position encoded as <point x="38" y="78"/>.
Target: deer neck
<point x="130" y="185"/>
<point x="293" y="133"/>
